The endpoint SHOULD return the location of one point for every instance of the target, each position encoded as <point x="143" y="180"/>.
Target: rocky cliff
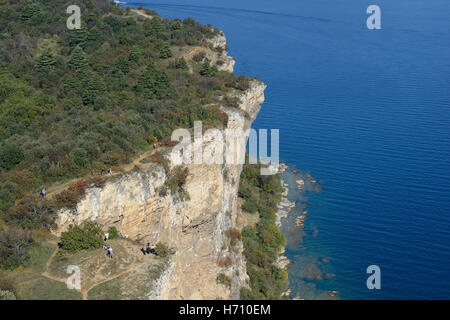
<point x="195" y="227"/>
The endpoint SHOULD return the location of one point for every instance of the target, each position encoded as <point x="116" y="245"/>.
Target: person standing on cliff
<point x="110" y="252"/>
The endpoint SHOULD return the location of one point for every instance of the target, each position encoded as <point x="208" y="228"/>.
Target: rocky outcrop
<point x="195" y="227"/>
<point x="219" y="56"/>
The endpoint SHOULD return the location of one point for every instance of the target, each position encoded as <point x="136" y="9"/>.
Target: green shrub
<point x="7" y="295"/>
<point x="14" y="245"/>
<point x="10" y="156"/>
<point x="85" y="237"/>
<point x="165" y="52"/>
<point x="79" y="157"/>
<point x="179" y="64"/>
<point x="162" y="250"/>
<point x="113" y="233"/>
<point x="208" y="71"/>
<point x="223" y="279"/>
<point x="199" y="56"/>
<point x="176" y="181"/>
<point x="234" y="235"/>
<point x="8" y="285"/>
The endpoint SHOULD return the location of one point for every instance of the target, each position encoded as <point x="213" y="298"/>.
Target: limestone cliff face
<point x="195" y="228"/>
<point x="220" y="57"/>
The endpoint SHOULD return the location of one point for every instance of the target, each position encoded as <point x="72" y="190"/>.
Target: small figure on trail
<point x="105" y="248"/>
<point x="110" y="171"/>
<point x="154" y="146"/>
<point x="42" y="194"/>
<point x="147" y="248"/>
<point x="110" y="252"/>
<point x="143" y="250"/>
<point x="151" y="249"/>
<point x="103" y="172"/>
<point x="106" y="236"/>
<point x="160" y="144"/>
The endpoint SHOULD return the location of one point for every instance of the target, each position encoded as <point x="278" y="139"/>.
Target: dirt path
<point x="84" y="291"/>
<point x="49" y="261"/>
<point x="57" y="188"/>
<point x="141" y="13"/>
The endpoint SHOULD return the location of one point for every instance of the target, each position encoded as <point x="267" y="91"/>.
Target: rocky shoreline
<point x="291" y="216"/>
<point x="284" y="206"/>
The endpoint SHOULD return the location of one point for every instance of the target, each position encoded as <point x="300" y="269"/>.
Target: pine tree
<point x="95" y="87"/>
<point x="78" y="37"/>
<point x="31" y="13"/>
<point x="78" y="59"/>
<point x="181" y="64"/>
<point x="135" y="55"/>
<point x="122" y="65"/>
<point x="2" y="67"/>
<point x="153" y="82"/>
<point x="207" y="70"/>
<point x="46" y="62"/>
<point x="117" y="80"/>
<point x="156" y="26"/>
<point x="165" y="52"/>
<point x="147" y="80"/>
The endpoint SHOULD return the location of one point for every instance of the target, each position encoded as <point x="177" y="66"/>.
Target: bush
<point x="162" y="250"/>
<point x="177" y="180"/>
<point x="98" y="181"/>
<point x="234" y="235"/>
<point x="70" y="197"/>
<point x="225" y="262"/>
<point x="7" y="295"/>
<point x="208" y="71"/>
<point x="8" y="285"/>
<point x="247" y="294"/>
<point x="198" y="57"/>
<point x="31" y="213"/>
<point x="113" y="233"/>
<point x="179" y="64"/>
<point x="10" y="156"/>
<point x="14" y="245"/>
<point x="85" y="237"/>
<point x="249" y="206"/>
<point x="223" y="279"/>
<point x="161" y="160"/>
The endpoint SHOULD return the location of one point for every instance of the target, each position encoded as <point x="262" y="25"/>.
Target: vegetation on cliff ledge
<point x="262" y="242"/>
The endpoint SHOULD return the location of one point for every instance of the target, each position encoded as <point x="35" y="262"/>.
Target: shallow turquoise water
<point x="368" y="112"/>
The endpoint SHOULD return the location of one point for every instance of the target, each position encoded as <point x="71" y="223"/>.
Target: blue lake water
<point x="366" y="111"/>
